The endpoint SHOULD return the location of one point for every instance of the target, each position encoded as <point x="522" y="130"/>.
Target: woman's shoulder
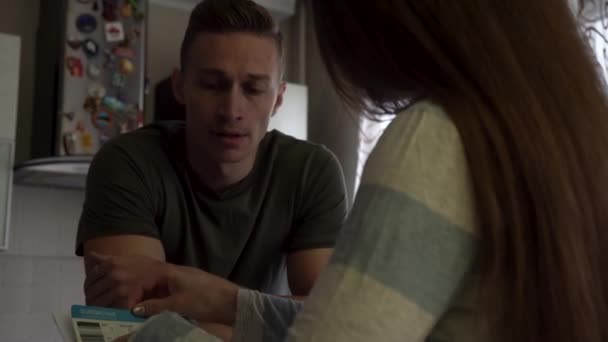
<point x="420" y="154"/>
<point x="418" y="136"/>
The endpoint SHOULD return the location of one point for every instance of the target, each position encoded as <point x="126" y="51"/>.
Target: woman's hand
<point x="124" y="338"/>
<point x="194" y="294"/>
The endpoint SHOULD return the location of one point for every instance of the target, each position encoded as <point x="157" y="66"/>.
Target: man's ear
<point x="177" y="84"/>
<point x="279" y="100"/>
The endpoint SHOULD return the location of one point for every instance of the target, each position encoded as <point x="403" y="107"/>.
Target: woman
<point x="482" y="211"/>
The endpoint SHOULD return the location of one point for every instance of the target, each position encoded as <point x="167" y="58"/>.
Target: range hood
<point x="69" y="172"/>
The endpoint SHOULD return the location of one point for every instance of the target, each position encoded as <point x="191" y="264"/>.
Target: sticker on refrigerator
<point x="115" y="32"/>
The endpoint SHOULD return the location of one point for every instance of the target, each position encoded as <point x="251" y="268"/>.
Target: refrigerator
<point x="92" y="55"/>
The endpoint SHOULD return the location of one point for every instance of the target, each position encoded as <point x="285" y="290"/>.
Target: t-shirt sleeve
<point x="324" y="204"/>
<point x="118" y="201"/>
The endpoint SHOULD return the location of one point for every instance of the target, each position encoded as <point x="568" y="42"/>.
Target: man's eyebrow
<point x="258" y="77"/>
<point x="211" y="72"/>
<point x="220" y="73"/>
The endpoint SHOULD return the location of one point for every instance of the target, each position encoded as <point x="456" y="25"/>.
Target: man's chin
<point x="231" y="158"/>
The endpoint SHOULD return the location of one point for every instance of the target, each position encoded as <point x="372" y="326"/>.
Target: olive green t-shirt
<point x="294" y="199"/>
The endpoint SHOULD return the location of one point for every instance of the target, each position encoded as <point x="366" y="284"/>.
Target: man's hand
<point x="123" y="281"/>
<point x="194" y="294"/>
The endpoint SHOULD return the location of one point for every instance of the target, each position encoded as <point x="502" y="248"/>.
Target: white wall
<point x="39" y="274"/>
<point x="20" y="17"/>
<point x="32" y="284"/>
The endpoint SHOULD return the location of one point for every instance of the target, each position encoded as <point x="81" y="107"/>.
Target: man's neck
<point x="219" y="177"/>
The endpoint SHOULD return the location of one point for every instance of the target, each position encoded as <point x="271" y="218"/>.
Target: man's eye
<point x="209" y="85"/>
<point x="253" y="90"/>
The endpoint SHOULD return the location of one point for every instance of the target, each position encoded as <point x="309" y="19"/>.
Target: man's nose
<point x="232" y="105"/>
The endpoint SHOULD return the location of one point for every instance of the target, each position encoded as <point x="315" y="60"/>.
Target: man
<point x="218" y="193"/>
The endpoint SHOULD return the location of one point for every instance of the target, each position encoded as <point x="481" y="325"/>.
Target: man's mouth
<point x="230" y="139"/>
<point x="229" y="134"/>
<point x="224" y="134"/>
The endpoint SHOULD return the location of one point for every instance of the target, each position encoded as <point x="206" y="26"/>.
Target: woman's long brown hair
<point x="520" y="84"/>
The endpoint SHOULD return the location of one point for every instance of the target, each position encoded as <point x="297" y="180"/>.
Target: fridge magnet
<point x="134" y="33"/>
<point x="96" y="90"/>
<point x="115" y="32"/>
<point x="86" y="23"/>
<point x="79" y="127"/>
<point x="138" y="16"/>
<point x="69" y="115"/>
<point x="110" y="61"/>
<point x="139" y="122"/>
<point x="123" y="127"/>
<point x="90" y="48"/>
<point x="126" y="42"/>
<point x="119" y="80"/>
<point x="122" y="98"/>
<point x="69" y="142"/>
<point x="102" y="119"/>
<point x="103" y="139"/>
<point x="94" y="71"/>
<point x="113" y="104"/>
<point x="131" y="110"/>
<point x="123" y="52"/>
<point x="109" y="10"/>
<point x="86" y="141"/>
<point x="130" y="36"/>
<point x="91" y="104"/>
<point x="74" y="65"/>
<point x="126" y="10"/>
<point x="136" y="12"/>
<point x="74" y="42"/>
<point x="125" y="66"/>
<point x="134" y="4"/>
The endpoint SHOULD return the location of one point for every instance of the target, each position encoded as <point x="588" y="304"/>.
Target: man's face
<point x="230" y="86"/>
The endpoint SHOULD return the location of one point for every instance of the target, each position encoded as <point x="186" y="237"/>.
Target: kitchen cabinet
<point x="9" y="82"/>
<point x="280" y="9"/>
